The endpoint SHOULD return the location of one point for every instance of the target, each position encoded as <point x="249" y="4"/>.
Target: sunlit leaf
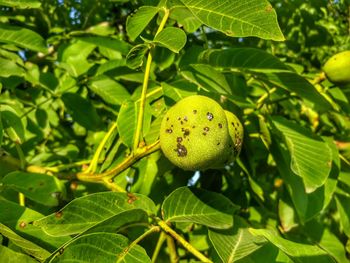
<point x="22" y="37"/>
<point x="88" y="211"/>
<point x="135" y="57"/>
<point x="238" y="18"/>
<point x="10" y="68"/>
<point x="199" y="206"/>
<point x="9" y="255"/>
<point x="21" y="3"/>
<point x="127" y="120"/>
<point x="172" y="38"/>
<point x="137" y="22"/>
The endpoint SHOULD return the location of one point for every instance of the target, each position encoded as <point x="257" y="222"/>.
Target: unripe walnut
<point x="195" y="134"/>
<point x="337" y="68"/>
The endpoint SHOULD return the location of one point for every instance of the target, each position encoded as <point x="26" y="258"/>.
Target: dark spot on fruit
<point x="194" y="111"/>
<point x="193" y="126"/>
<point x="206" y="129"/>
<point x="41" y="183"/>
<point x="172" y="126"/>
<point x="220" y="125"/>
<point x="218" y="143"/>
<point x="186" y="132"/>
<point x="22" y="224"/>
<point x="204" y="133"/>
<point x="233" y="124"/>
<point x="169" y="131"/>
<point x="58" y="214"/>
<point x="185" y="118"/>
<point x="179" y="119"/>
<point x="167" y="118"/>
<point x="210" y="116"/>
<point x="181" y="122"/>
<point x="181" y="150"/>
<point x="179" y="139"/>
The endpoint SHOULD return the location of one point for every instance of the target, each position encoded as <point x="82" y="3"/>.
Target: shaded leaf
<point x="311" y="158"/>
<point x="21" y="3"/>
<point x="135" y="57"/>
<point x="29" y="247"/>
<point x="238" y="18"/>
<point x="137" y="22"/>
<point x="343" y="205"/>
<point x="41" y="188"/>
<point x="82" y="111"/>
<point x="199" y="206"/>
<point x="88" y="211"/>
<point x="22" y="37"/>
<point x="126" y="122"/>
<point x="172" y="38"/>
<point x="235" y="243"/>
<point x="185" y="18"/>
<point x="12" y="123"/>
<point x="103" y="247"/>
<point x="10" y="68"/>
<point x="109" y="90"/>
<point x="297" y="251"/>
<point x="107" y="42"/>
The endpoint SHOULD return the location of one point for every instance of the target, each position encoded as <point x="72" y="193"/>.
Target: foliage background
<point x="71" y="75"/>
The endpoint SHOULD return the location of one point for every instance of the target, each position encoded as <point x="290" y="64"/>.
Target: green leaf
<point x="41" y="188"/>
<point x="343" y="205"/>
<point x="107" y="42"/>
<point x="12" y="124"/>
<point x="185" y="18"/>
<point x="27" y="246"/>
<point x="137" y="22"/>
<point x="22" y="37"/>
<point x="82" y="111"/>
<point x="88" y="211"/>
<point x="235" y="243"/>
<point x="8" y="255"/>
<point x="126" y="122"/>
<point x="104" y="247"/>
<point x="297" y="251"/>
<point x="21" y="3"/>
<point x="10" y="68"/>
<point x="242" y="58"/>
<point x="238" y="18"/>
<point x="136" y="55"/>
<point x="109" y="90"/>
<point x="311" y="158"/>
<point x="207" y="78"/>
<point x="199" y="206"/>
<point x="172" y="38"/>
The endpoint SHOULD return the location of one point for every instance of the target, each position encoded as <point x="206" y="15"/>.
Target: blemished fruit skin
<point x="337" y="68"/>
<point x="195" y="134"/>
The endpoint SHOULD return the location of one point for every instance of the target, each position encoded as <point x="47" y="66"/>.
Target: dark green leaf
<point x="238" y="18"/>
<point x="82" y="111"/>
<point x="127" y="120"/>
<point x="41" y="188"/>
<point x="199" y="206"/>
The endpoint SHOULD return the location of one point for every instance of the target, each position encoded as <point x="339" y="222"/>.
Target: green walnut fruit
<point x="195" y="134"/>
<point x="236" y="133"/>
<point x="337" y="68"/>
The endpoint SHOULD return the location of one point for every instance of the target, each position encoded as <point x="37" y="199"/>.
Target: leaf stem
<point x="160" y="242"/>
<point x="182" y="241"/>
<point x="138" y="132"/>
<point x="172" y="249"/>
<point x="21" y="197"/>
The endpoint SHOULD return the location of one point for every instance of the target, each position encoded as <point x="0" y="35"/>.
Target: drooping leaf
<point x="199" y="206"/>
<point x="235" y="243"/>
<point x="103" y="247"/>
<point x="238" y="18"/>
<point x="27" y="246"/>
<point x="21" y="3"/>
<point x="22" y="37"/>
<point x="297" y="251"/>
<point x="41" y="188"/>
<point x="126" y="122"/>
<point x="82" y="111"/>
<point x="109" y="90"/>
<point x="311" y="158"/>
<point x="137" y="22"/>
<point x="88" y="211"/>
<point x="172" y="38"/>
<point x="135" y="57"/>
